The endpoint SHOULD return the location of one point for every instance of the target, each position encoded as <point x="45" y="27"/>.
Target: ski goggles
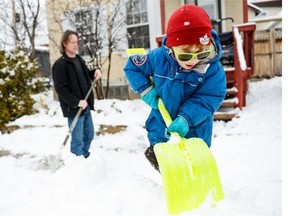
<point x="188" y="56"/>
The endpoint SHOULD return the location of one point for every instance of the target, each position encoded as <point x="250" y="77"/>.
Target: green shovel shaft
<point x="164" y="113"/>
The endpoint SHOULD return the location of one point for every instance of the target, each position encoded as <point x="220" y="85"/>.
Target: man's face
<point x="72" y="45"/>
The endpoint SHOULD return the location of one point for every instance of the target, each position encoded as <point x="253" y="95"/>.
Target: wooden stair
<point x="229" y="107"/>
<point x="237" y="76"/>
<point x="224" y="116"/>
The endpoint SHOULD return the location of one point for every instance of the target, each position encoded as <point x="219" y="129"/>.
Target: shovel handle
<point x="75" y="120"/>
<point x="80" y="109"/>
<point x="167" y="119"/>
<point x="164" y="113"/>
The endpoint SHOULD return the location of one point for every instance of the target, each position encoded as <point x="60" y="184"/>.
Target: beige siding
<point x="170" y="7"/>
<point x="234" y="9"/>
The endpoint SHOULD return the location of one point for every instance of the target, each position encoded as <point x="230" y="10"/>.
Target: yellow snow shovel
<point x="135" y="51"/>
<point x="189" y="170"/>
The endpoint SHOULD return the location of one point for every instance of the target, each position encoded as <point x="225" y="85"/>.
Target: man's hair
<point x="65" y="38"/>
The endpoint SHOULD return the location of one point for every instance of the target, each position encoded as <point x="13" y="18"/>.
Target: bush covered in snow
<point x="17" y="84"/>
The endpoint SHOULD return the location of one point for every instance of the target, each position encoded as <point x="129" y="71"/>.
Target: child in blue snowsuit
<point x="187" y="75"/>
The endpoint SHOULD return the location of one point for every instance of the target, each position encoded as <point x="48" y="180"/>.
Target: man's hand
<point x="97" y="74"/>
<point x="83" y="104"/>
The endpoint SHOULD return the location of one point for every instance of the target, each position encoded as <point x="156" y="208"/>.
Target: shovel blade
<point x="189" y="173"/>
<point x="55" y="162"/>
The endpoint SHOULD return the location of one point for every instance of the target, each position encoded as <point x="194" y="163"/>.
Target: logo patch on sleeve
<point x="139" y="60"/>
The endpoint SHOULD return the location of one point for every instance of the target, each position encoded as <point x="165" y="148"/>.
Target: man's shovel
<point x="55" y="161"/>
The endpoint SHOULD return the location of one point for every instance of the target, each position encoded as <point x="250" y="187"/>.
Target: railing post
<point x="241" y="77"/>
<point x="238" y="72"/>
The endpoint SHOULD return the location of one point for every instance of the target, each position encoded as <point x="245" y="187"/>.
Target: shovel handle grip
<point x="164" y="113"/>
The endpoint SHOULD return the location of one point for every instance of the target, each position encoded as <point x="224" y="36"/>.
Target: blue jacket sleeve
<point x="137" y="71"/>
<point x="206" y="100"/>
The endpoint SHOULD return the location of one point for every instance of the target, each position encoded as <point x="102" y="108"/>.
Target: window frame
<point x="137" y="20"/>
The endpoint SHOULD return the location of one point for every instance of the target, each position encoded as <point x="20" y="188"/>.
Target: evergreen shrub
<point x="17" y="83"/>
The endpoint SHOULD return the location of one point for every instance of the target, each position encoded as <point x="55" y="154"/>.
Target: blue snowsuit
<point x="192" y="95"/>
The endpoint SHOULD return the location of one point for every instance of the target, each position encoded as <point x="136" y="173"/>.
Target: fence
<point x="268" y="52"/>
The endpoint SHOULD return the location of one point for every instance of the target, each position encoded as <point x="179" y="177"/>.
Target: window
<point x="84" y="27"/>
<point x="137" y="24"/>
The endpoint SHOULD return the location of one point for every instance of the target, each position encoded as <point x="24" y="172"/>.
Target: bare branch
<point x="24" y="22"/>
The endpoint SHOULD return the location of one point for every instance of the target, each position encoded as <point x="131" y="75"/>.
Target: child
<point x="187" y="75"/>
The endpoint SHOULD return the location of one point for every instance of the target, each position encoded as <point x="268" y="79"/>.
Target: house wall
<point x="170" y="7"/>
<point x="234" y="9"/>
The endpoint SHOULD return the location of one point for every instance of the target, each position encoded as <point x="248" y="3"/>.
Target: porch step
<point x="230" y="81"/>
<point x="226" y="115"/>
<point x="229" y="107"/>
<point x="233" y="102"/>
<point x="231" y="91"/>
<point x="229" y="69"/>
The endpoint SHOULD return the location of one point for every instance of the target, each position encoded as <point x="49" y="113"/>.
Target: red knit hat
<point x="189" y="24"/>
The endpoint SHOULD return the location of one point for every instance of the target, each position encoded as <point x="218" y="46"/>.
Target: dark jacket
<point x="68" y="86"/>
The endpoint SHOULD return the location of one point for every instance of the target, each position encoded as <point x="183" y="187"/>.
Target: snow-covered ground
<point x="117" y="180"/>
